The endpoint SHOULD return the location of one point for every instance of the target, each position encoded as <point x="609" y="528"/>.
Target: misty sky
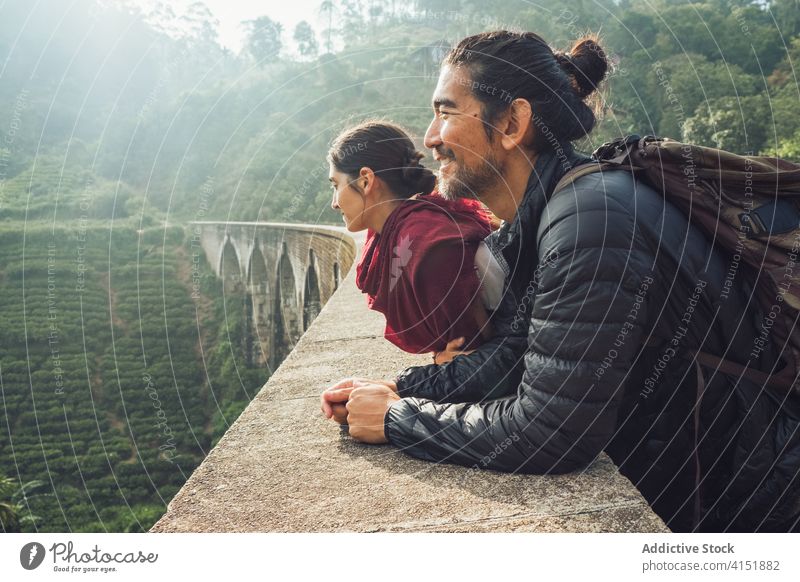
<point x="231" y="12"/>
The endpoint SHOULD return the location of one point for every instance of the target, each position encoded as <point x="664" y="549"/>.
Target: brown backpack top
<point x="746" y="205"/>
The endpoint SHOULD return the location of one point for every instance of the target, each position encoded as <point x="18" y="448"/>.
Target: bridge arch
<point x="229" y="269"/>
<point x="286" y="318"/>
<point x="312" y="303"/>
<point x="257" y="268"/>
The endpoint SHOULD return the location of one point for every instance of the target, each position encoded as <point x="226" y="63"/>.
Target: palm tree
<point x="328" y="6"/>
<point x="14" y="503"/>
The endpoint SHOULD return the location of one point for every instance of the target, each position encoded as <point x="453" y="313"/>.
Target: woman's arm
<point x="457" y="346"/>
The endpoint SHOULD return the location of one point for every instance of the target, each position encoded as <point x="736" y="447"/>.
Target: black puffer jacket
<point x="608" y="287"/>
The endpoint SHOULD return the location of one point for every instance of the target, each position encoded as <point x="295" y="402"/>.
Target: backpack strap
<point x="613" y="155"/>
<point x="698" y="473"/>
<point x="586" y="169"/>
<point x="780" y="383"/>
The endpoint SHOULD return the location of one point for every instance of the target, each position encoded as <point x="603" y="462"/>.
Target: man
<point x="609" y="291"/>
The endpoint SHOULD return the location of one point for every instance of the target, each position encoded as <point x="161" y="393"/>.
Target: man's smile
<point x="444" y="162"/>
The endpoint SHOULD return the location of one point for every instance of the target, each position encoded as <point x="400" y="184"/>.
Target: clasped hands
<point x="361" y="404"/>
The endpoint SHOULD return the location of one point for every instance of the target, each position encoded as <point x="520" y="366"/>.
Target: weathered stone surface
<point x="283" y="467"/>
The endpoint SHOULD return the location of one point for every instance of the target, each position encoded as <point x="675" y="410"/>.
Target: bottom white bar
<point x="379" y="557"/>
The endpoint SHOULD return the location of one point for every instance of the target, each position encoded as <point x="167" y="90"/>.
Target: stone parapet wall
<point x="282" y="467"/>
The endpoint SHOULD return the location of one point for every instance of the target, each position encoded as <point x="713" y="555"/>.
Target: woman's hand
<point x="451" y="351"/>
<point x="334" y="398"/>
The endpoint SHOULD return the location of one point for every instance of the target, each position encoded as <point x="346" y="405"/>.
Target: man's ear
<point x="518" y="130"/>
<point x="366" y="181"/>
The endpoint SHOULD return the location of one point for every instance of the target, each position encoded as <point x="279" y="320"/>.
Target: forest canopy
<point x="139" y="109"/>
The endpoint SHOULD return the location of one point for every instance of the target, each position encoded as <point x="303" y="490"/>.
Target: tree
<point x="690" y="80"/>
<point x="263" y="39"/>
<point x="14" y="512"/>
<point x="306" y="40"/>
<point x="327" y="9"/>
<point x="785" y="72"/>
<point x="200" y="23"/>
<point x="787" y="16"/>
<point x="736" y="125"/>
<point x="789" y="148"/>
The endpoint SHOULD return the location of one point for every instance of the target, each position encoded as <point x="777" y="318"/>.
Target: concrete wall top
<point x="282" y="467"/>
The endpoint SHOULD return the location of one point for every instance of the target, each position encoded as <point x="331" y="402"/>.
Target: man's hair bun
<point x="586" y="63"/>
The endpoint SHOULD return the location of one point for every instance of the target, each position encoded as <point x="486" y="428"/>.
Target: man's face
<point x="469" y="165"/>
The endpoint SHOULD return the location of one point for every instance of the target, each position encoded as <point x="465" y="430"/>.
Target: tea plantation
<point x="115" y="382"/>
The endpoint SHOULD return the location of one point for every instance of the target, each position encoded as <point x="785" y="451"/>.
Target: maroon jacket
<point x="420" y="272"/>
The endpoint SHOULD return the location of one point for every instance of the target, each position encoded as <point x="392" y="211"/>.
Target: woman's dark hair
<point x="387" y="150"/>
<point x="503" y="66"/>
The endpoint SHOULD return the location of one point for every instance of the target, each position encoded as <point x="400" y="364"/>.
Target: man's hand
<point x="335" y="397"/>
<point x="366" y="410"/>
<point x="451" y="351"/>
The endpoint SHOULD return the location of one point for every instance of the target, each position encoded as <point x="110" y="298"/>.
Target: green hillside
<point x="144" y="118"/>
<point x="115" y="382"/>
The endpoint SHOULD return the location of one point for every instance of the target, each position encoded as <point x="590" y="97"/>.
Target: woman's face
<point x="347" y="200"/>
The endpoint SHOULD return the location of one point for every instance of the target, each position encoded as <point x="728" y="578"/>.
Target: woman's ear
<point x="518" y="130"/>
<point x="366" y="181"/>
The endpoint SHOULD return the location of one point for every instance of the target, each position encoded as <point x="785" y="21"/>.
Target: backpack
<point x="747" y="205"/>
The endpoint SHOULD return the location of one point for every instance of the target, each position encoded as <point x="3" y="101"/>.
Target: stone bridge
<point x="288" y="272"/>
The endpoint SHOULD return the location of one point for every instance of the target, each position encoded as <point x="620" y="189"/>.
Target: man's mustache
<point x="443" y="152"/>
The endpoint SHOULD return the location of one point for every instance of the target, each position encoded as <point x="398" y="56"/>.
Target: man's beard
<point x="472" y="183"/>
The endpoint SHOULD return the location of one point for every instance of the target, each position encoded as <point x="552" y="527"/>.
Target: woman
<point x="417" y="266"/>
